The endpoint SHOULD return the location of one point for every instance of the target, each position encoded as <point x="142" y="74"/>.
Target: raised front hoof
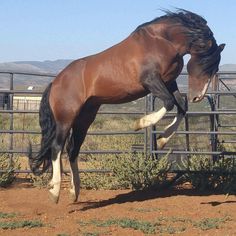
<point x="137" y="125"/>
<point x="161" y="142"/>
<point x="54" y="198"/>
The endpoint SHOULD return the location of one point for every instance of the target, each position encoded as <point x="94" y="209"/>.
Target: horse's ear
<point x="222" y="46"/>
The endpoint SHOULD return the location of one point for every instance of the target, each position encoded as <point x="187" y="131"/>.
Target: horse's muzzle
<point x="195" y="98"/>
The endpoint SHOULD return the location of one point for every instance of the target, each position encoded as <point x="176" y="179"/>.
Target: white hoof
<point x="53" y="197"/>
<point x="54" y="191"/>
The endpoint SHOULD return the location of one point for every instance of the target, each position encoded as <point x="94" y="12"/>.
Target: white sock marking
<point x="152" y="118"/>
<point x="56" y="177"/>
<point x="170" y="130"/>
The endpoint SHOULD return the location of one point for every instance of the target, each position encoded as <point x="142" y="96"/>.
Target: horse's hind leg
<point x="73" y="150"/>
<point x="79" y="131"/>
<point x="57" y="148"/>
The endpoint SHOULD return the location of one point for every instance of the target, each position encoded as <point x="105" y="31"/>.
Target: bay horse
<point x="148" y="61"/>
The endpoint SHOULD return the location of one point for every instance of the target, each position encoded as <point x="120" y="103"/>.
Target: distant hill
<point x="21" y="67"/>
<point x="24" y="81"/>
<point x="228" y="67"/>
<point x="58" y="65"/>
<point x="35" y="66"/>
<point x="54" y="67"/>
<point x="46" y="66"/>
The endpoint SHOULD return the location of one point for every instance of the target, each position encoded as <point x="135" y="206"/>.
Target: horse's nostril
<point x="196" y="99"/>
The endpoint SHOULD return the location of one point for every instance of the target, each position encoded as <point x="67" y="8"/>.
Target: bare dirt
<point x="169" y="212"/>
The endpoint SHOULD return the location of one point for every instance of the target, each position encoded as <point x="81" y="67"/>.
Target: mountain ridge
<point x="54" y="67"/>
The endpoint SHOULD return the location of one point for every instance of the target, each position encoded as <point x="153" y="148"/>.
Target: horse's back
<point x="113" y="75"/>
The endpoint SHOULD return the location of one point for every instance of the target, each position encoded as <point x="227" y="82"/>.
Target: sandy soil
<point x="170" y="212"/>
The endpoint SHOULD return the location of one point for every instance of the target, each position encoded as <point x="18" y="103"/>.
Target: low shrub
<point x="7" y="168"/>
<point x="133" y="170"/>
<point x="40" y="181"/>
<point x="204" y="174"/>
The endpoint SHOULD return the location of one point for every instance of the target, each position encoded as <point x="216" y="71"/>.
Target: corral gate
<point x="209" y="127"/>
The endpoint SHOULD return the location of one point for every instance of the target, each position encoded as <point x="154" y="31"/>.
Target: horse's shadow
<point x="144" y="195"/>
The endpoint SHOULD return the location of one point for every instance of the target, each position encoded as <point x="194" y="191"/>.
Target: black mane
<point x="198" y="34"/>
<point x="198" y="31"/>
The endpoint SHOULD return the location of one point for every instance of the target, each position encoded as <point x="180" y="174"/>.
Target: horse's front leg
<point x="150" y="119"/>
<point x="171" y="129"/>
<point x="157" y="87"/>
<point x="170" y="96"/>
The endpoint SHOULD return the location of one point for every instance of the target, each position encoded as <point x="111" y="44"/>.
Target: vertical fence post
<point x="11" y="117"/>
<point x="214" y="118"/>
<point x="146" y="130"/>
<point x="215" y="88"/>
<point x="186" y="124"/>
<point x="153" y="138"/>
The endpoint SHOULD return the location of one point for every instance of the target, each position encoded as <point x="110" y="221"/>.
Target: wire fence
<point x="209" y="127"/>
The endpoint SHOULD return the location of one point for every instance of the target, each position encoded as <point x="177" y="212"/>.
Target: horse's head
<point x="201" y="69"/>
<point x="191" y="35"/>
<point x="205" y="55"/>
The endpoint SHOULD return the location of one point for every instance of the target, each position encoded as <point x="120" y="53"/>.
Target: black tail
<point x="48" y="128"/>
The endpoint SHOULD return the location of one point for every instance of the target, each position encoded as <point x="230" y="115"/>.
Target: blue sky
<point x="69" y="29"/>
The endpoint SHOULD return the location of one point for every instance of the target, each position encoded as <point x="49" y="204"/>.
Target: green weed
<point x="20" y="224"/>
<point x="8" y="176"/>
<point x="91" y="234"/>
<point x="138" y="171"/>
<point x="7" y="215"/>
<point x="162" y="225"/>
<point x="204" y="174"/>
<point x="132" y="170"/>
<point x="40" y="181"/>
<point x="144" y="226"/>
<point x="211" y="223"/>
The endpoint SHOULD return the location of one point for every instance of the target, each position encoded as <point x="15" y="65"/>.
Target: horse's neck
<point x="174" y="34"/>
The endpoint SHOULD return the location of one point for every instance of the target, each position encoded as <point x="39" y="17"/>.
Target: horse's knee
<point x="180" y="102"/>
<point x="169" y="104"/>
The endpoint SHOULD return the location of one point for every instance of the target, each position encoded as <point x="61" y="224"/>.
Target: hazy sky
<point x="69" y="29"/>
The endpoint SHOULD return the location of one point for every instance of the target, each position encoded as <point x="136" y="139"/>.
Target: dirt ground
<point x="179" y="211"/>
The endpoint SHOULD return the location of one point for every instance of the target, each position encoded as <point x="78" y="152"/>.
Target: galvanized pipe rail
<point x="148" y="134"/>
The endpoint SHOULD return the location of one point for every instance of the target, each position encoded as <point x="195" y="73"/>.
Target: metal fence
<point x="209" y="127"/>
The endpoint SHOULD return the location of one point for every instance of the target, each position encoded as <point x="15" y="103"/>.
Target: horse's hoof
<point x="54" y="198"/>
<point x="73" y="196"/>
<point x="161" y="142"/>
<point x="137" y="125"/>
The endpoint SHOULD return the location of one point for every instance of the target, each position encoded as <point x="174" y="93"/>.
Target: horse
<point x="148" y="61"/>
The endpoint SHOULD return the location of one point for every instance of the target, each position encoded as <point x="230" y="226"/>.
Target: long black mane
<point x="198" y="34"/>
<point x="198" y="31"/>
